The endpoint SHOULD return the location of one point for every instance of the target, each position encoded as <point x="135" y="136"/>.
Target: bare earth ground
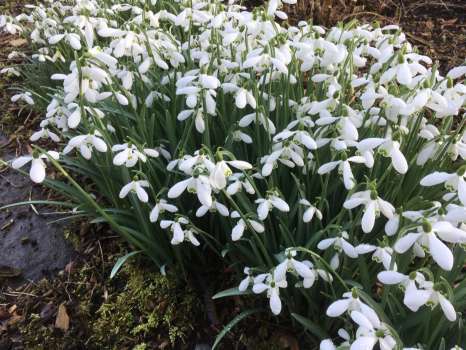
<point x="80" y="308"/>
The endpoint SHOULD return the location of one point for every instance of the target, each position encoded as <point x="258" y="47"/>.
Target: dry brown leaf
<point x="18" y="42"/>
<point x="12" y="308"/>
<point x="63" y="320"/>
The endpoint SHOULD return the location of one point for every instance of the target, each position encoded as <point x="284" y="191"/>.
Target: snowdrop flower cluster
<point x="330" y="162"/>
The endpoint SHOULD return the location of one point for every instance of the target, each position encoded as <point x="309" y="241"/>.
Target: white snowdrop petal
<point x="361" y="320"/>
<point x="125" y="190"/>
<point x="275" y="302"/>
<point x="435" y="178"/>
<point x="176" y="190"/>
<point x="390" y="277"/>
<point x="447" y="308"/>
<point x="142" y="194"/>
<point x="406" y="242"/>
<point x="363" y="343"/>
<point x="20" y="162"/>
<point x="154" y="214"/>
<point x="327" y="344"/>
<point x="37" y="172"/>
<point x="462" y="190"/>
<point x="440" y="252"/>
<point x="415" y="298"/>
<point x="337" y="308"/>
<point x="368" y="219"/>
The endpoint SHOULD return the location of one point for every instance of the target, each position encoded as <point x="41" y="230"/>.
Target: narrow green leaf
<point x="230" y="292"/>
<point x="310" y="326"/>
<point x="55" y="203"/>
<point x="232" y="323"/>
<point x="121" y="261"/>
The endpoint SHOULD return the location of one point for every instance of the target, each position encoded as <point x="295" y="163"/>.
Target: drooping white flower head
<point x="38" y="166"/>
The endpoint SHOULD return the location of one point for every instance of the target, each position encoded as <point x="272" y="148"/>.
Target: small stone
<point x="47" y="312"/>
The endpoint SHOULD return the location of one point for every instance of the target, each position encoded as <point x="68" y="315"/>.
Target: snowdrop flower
<point x="350" y="303"/>
<point x="85" y="144"/>
<point x="37" y="171"/>
<point x="24" y="96"/>
<point x="301" y="136"/>
<point x="159" y="208"/>
<point x="199" y="185"/>
<point x="266" y="205"/>
<point x="428" y="237"/>
<point x="243" y="97"/>
<point x="241" y="225"/>
<point x="456" y="72"/>
<point x="373" y="205"/>
<point x="366" y="147"/>
<point x="239" y="182"/>
<point x="288" y="153"/>
<point x="309" y="281"/>
<point x="344" y="168"/>
<point x="136" y="186"/>
<point x="272" y="8"/>
<point x="74" y="115"/>
<point x="327" y="344"/>
<point x="189" y="236"/>
<point x="291" y="264"/>
<point x="10" y="70"/>
<point x="215" y="207"/>
<point x="198" y="88"/>
<point x="128" y="155"/>
<point x="401" y="71"/>
<point x="247" y="281"/>
<point x="72" y="39"/>
<point x="218" y="177"/>
<point x="392" y="225"/>
<point x="340" y="244"/>
<point x="238" y="136"/>
<point x="391" y="149"/>
<point x="371" y="332"/>
<point x="369" y="97"/>
<point x="179" y="235"/>
<point x="310" y="211"/>
<point x="458" y="149"/>
<point x="453" y="182"/>
<point x="260" y="118"/>
<point x="429" y="295"/>
<point x="408" y="283"/>
<point x="266" y="282"/>
<point x="380" y="254"/>
<point x="44" y="133"/>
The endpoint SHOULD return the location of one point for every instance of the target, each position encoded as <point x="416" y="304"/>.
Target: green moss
<point x="151" y="304"/>
<point x="142" y="310"/>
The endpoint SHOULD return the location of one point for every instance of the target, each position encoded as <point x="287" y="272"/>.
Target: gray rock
<point x="28" y="241"/>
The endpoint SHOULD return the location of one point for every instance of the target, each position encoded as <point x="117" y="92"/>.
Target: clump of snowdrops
<point x="326" y="163"/>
